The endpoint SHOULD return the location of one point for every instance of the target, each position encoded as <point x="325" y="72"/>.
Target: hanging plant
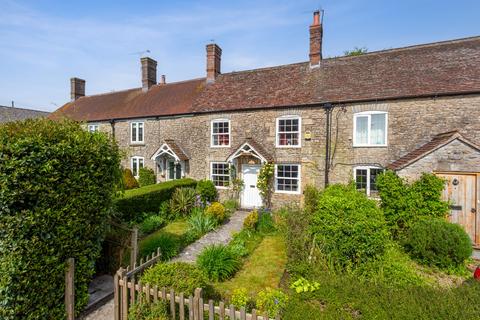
<point x="265" y="182"/>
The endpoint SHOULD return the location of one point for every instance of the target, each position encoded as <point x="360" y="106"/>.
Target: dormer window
<point x="220" y="136"/>
<point x="288" y="131"/>
<point x="137" y="132"/>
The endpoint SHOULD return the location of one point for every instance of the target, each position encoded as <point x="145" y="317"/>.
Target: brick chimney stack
<point x="316" y="33"/>
<point x="77" y="88"/>
<point x="149" y="73"/>
<point x="214" y="56"/>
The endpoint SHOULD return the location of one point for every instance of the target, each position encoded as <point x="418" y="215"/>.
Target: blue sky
<point x="45" y="42"/>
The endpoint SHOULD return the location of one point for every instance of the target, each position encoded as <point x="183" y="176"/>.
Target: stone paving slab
<point x="222" y="235"/>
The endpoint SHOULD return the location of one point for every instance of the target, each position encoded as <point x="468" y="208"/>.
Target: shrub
<point x="311" y="195"/>
<point x="230" y="206"/>
<point x="216" y="211"/>
<point x="168" y="244"/>
<point x="265" y="223"/>
<point x="129" y="181"/>
<point x="271" y="301"/>
<point x="57" y="183"/>
<point x="218" y="262"/>
<point x="239" y="298"/>
<point x="251" y="220"/>
<point x="148" y="311"/>
<point x="165" y="212"/>
<point x="199" y="223"/>
<point x="207" y="191"/>
<point x="151" y="224"/>
<point x="439" y="243"/>
<point x="183" y="201"/>
<point x="146" y="177"/>
<point x="148" y="199"/>
<point x="181" y="276"/>
<point x="403" y="204"/>
<point x="349" y="227"/>
<point x="303" y="285"/>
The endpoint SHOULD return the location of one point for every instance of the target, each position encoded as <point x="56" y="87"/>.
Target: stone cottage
<point x="326" y="120"/>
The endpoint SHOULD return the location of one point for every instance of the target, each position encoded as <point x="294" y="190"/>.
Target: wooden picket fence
<point x="127" y="292"/>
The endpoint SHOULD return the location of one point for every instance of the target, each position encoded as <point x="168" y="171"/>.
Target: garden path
<point x="222" y="235"/>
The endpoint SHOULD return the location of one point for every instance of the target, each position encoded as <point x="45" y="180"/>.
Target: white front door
<point x="250" y="195"/>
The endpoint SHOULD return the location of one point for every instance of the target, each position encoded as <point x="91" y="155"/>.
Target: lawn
<point x="175" y="230"/>
<point x="263" y="268"/>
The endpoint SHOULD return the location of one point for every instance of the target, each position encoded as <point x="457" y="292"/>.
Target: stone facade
<point x="411" y="123"/>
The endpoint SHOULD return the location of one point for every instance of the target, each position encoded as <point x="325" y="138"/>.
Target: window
<point x="220" y="133"/>
<point x="288" y="131"/>
<point x="137" y="164"/>
<point x="137" y="132"/>
<point x="365" y="179"/>
<point x="174" y="170"/>
<point x="370" y="129"/>
<point x="287" y="178"/>
<point x="92" y="127"/>
<point x="220" y="174"/>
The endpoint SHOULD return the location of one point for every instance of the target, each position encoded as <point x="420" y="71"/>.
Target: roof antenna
<point x="13" y="104"/>
<point x="140" y="53"/>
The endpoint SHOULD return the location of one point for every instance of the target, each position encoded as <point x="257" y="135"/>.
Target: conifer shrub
<point x="129" y="180"/>
<point x="57" y="184"/>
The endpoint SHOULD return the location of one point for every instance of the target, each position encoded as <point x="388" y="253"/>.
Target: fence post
<point x="70" y="289"/>
<point x="134" y="253"/>
<point x="117" y="294"/>
<point x="196" y="304"/>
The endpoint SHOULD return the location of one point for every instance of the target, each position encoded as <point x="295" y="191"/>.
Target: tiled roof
<point x="437" y="142"/>
<point x="12" y="114"/>
<point x="161" y="100"/>
<point x="442" y="68"/>
<point x="258" y="148"/>
<point x="176" y="149"/>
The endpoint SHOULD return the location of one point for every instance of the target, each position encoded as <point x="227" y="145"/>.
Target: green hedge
<point x="57" y="184"/>
<point x="149" y="198"/>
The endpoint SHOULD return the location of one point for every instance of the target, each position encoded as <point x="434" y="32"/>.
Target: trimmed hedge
<point x="57" y="184"/>
<point x="149" y="198"/>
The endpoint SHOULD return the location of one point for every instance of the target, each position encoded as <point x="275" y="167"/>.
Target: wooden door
<point x="461" y="191"/>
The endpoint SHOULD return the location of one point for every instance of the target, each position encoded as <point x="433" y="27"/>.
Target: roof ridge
<point x="27" y="109"/>
<point x="408" y="47"/>
<point x="266" y="68"/>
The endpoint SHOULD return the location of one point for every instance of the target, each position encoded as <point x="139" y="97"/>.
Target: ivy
<point x="265" y="182"/>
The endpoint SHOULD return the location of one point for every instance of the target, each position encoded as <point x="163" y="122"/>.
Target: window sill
<point x="288" y="192"/>
<point x="288" y="147"/>
<point x="222" y="188"/>
<point x="212" y="146"/>
<point x="137" y="144"/>
<point x="371" y="146"/>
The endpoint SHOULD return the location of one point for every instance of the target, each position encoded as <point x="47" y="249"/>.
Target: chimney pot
<point x="316" y="34"/>
<point x="77" y="88"/>
<point x="149" y="73"/>
<point x="214" y="56"/>
<point x="163" y="79"/>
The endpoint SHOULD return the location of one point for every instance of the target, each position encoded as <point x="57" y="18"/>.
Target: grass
<point x="263" y="268"/>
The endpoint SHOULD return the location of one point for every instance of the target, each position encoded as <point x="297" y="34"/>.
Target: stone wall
<point x="411" y="123"/>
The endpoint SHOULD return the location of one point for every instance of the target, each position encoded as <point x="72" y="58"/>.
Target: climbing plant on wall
<point x="265" y="182"/>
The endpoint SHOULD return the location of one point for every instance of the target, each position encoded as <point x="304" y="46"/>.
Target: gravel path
<point x="222" y="235"/>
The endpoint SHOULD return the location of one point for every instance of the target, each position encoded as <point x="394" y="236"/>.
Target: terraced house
<point x="326" y="120"/>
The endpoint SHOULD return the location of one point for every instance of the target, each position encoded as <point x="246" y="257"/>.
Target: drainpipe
<point x="112" y="123"/>
<point x="328" y="133"/>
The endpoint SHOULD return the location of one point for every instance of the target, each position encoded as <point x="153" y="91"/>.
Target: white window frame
<point x="138" y="164"/>
<point x="299" y="178"/>
<point x="211" y="173"/>
<point x="137" y="123"/>
<point x="369" y="114"/>
<point x="277" y="133"/>
<point x="93" y="127"/>
<point x="212" y="134"/>
<point x="368" y="168"/>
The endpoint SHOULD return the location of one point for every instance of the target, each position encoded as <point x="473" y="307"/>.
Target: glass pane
<point x="134" y="132"/>
<point x="134" y="166"/>
<point x="361" y="130"/>
<point x="361" y="179"/>
<point x="377" y="132"/>
<point x="373" y="178"/>
<point x="171" y="170"/>
<point x="178" y="171"/>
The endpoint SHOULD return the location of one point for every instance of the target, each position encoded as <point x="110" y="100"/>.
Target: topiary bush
<point x="148" y="199"/>
<point x="218" y="262"/>
<point x="251" y="220"/>
<point x="57" y="184"/>
<point x="129" y="181"/>
<point x="403" y="204"/>
<point x="436" y="242"/>
<point x="181" y="276"/>
<point x="349" y="227"/>
<point x="216" y="211"/>
<point x="151" y="224"/>
<point x="207" y="191"/>
<point x="146" y="177"/>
